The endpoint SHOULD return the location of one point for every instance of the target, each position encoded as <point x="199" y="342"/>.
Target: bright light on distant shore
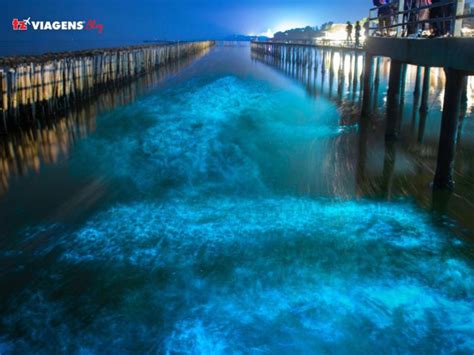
<point x="280" y="28"/>
<point x="269" y="33"/>
<point x="290" y="25"/>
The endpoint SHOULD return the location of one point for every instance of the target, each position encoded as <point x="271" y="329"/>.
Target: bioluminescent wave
<point x="220" y="213"/>
<point x="270" y="274"/>
<point x="206" y="133"/>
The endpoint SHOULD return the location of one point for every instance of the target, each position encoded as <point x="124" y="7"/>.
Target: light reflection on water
<point x="229" y="210"/>
<point x="27" y="150"/>
<point x="405" y="168"/>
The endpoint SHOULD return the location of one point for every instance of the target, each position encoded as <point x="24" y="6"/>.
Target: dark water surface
<point x="225" y="207"/>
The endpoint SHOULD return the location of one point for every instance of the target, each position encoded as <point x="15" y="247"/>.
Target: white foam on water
<point x="220" y="263"/>
<point x="279" y="274"/>
<point x="184" y="136"/>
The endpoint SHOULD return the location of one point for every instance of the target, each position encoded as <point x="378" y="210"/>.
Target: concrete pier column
<point x="416" y="98"/>
<point x="426" y="90"/>
<point x="462" y="114"/>
<point x="355" y="77"/>
<point x="367" y="93"/>
<point x="375" y="98"/>
<point x="393" y="101"/>
<point x="316" y="63"/>
<point x="377" y="70"/>
<point x="416" y="92"/>
<point x="323" y="70"/>
<point x="331" y="82"/>
<point x="351" y="71"/>
<point x="340" y="79"/>
<point x="403" y="81"/>
<point x="323" y="61"/>
<point x="449" y="126"/>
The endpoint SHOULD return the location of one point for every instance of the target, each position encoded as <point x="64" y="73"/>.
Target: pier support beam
<point x="403" y="82"/>
<point x="393" y="101"/>
<point x="449" y="126"/>
<point x="416" y="97"/>
<point x="367" y="90"/>
<point x="416" y="92"/>
<point x="426" y="90"/>
<point x="375" y="97"/>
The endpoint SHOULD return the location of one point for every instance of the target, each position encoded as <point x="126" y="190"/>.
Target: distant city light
<point x="282" y="27"/>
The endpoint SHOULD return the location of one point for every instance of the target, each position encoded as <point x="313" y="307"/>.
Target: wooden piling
<point x="51" y="83"/>
<point x="367" y="90"/>
<point x="425" y="90"/>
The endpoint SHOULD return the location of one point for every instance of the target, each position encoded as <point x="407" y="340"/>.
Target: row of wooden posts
<point x="36" y="85"/>
<point x="299" y="55"/>
<point x="34" y="146"/>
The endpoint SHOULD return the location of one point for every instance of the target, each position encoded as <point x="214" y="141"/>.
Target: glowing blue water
<point x="209" y="242"/>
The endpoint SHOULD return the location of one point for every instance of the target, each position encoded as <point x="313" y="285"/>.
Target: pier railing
<point x="337" y="43"/>
<point x="42" y="85"/>
<point x="405" y="18"/>
<point x="316" y="42"/>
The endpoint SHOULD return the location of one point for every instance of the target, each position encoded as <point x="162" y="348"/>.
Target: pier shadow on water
<point x="238" y="206"/>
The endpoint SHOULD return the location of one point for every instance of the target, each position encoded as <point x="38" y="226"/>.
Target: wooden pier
<point x="44" y="85"/>
<point x="454" y="55"/>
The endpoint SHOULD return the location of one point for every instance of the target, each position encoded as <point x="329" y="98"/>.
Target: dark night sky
<point x="126" y="20"/>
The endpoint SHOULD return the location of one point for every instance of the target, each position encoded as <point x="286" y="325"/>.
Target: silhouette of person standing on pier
<point x="384" y="14"/>
<point x="349" y="32"/>
<point x="423" y="15"/>
<point x="366" y="29"/>
<point x="357" y="33"/>
<point x="440" y="27"/>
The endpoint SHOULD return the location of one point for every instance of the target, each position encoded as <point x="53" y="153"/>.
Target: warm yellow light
<point x="338" y="32"/>
<point x="467" y="32"/>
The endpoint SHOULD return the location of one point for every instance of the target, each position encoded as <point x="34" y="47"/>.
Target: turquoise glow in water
<point x="219" y="214"/>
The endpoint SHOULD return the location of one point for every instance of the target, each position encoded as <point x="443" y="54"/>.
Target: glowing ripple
<point x="280" y="274"/>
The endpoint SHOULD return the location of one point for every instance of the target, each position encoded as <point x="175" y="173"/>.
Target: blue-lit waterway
<point x="223" y="210"/>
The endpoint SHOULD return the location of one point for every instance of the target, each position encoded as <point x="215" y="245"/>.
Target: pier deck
<point x="450" y="52"/>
